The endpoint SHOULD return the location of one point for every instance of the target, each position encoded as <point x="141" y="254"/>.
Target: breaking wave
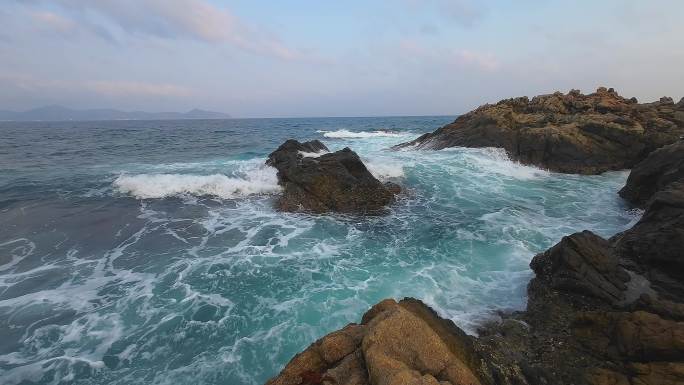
<point x="150" y="186"/>
<point x="346" y="134"/>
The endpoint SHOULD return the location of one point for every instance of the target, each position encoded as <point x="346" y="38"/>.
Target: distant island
<point x="60" y="113"/>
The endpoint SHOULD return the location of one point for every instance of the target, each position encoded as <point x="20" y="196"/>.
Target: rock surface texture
<point x="660" y="169"/>
<point x="317" y="180"/>
<point x="570" y="133"/>
<point x="599" y="312"/>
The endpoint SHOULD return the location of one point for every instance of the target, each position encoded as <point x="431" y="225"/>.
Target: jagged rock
<point x="572" y="133"/>
<point x="655" y="173"/>
<point x="657" y="240"/>
<point x="583" y="263"/>
<point x="398" y="344"/>
<point x="634" y="336"/>
<point x="401" y="348"/>
<point x="337" y="182"/>
<point x="652" y="373"/>
<point x="333" y="356"/>
<point x="665" y="308"/>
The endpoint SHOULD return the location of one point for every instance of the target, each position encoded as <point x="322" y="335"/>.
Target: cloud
<point x="108" y="88"/>
<point x="165" y="19"/>
<point x="53" y="22"/>
<point x="481" y="60"/>
<point x="126" y="88"/>
<point x="464" y="58"/>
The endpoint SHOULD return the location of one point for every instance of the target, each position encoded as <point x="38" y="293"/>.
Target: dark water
<point x="139" y="252"/>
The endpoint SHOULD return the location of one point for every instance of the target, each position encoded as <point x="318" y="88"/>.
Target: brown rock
<point x="401" y="348"/>
<point x="311" y="366"/>
<point x="638" y="336"/>
<point x="583" y="263"/>
<point x="571" y="133"/>
<point x="655" y="173"/>
<point x="657" y="240"/>
<point x="337" y="182"/>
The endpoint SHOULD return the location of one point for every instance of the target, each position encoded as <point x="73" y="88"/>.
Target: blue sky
<point x="332" y="58"/>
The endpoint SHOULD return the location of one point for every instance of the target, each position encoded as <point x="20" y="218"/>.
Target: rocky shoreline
<point x="570" y="133"/>
<point x="599" y="312"/>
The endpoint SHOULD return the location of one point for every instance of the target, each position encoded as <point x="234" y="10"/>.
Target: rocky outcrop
<point x="599" y="312"/>
<point x="583" y="263"/>
<point x="316" y="180"/>
<point x="656" y="242"/>
<point x="655" y="173"/>
<point x="397" y="343"/>
<point x="571" y="133"/>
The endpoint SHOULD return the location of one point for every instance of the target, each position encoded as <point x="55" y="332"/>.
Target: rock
<point x="634" y="336"/>
<point x="664" y="308"/>
<point x="337" y="182"/>
<point x="399" y="344"/>
<point x="657" y="240"/>
<point x="401" y="348"/>
<point x="333" y="356"/>
<point x="655" y="173"/>
<point x="583" y="263"/>
<point x="570" y="133"/>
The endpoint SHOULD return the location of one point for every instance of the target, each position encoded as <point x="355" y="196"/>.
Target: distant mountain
<point x="57" y="113"/>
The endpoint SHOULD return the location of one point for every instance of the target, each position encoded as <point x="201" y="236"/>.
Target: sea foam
<point x="346" y="134"/>
<point x="148" y="186"/>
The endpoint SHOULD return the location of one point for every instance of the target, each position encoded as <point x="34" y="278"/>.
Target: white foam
<point x="313" y="154"/>
<point x="346" y="134"/>
<point x="147" y="186"/>
<point x="385" y="170"/>
<point x="496" y="160"/>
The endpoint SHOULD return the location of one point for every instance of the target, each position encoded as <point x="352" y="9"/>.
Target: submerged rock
<point x="317" y="180"/>
<point x="571" y="133"/>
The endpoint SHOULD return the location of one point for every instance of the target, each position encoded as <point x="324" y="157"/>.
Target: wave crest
<point x="150" y="186"/>
<point x="346" y="134"/>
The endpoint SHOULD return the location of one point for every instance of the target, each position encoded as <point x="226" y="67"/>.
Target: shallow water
<point x="149" y="252"/>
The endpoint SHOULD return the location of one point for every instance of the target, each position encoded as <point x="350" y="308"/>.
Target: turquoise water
<point x="149" y="252"/>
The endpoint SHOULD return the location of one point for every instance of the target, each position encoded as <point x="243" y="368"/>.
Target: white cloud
<point x="464" y="58"/>
<point x="53" y="22"/>
<point x="127" y="88"/>
<point x="165" y="19"/>
<point x="107" y="88"/>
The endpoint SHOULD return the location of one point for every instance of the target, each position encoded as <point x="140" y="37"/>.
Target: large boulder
<point x="398" y="344"/>
<point x="571" y="133"/>
<point x="655" y="173"/>
<point x="317" y="180"/>
<point x="657" y="240"/>
<point x="583" y="263"/>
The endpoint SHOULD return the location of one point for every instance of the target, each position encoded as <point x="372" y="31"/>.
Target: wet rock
<point x="655" y="173"/>
<point x="571" y="133"/>
<point x="316" y="180"/>
<point x="583" y="263"/>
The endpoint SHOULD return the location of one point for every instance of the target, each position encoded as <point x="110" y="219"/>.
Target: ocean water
<point x="149" y="252"/>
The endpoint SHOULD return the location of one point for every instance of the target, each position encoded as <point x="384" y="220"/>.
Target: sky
<point x="296" y="58"/>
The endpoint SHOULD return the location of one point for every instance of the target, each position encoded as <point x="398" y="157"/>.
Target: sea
<point x="150" y="252"/>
